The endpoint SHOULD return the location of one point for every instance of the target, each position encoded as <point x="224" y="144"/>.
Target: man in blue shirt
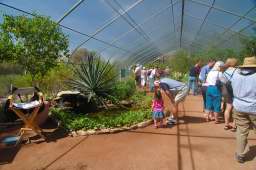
<point x="243" y="83"/>
<point x="205" y="70"/>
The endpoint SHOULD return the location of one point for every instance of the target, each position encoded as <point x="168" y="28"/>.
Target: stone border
<point x="110" y="130"/>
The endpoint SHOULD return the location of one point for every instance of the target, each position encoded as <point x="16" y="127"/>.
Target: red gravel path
<point x="192" y="145"/>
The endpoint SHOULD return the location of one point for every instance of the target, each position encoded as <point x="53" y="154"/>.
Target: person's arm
<point x="172" y="103"/>
<point x="202" y="75"/>
<point x="152" y="107"/>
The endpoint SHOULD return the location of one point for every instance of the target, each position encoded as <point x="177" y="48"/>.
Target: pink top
<point x="157" y="105"/>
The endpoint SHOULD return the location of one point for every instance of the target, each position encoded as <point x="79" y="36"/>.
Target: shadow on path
<point x="8" y="154"/>
<point x="65" y="153"/>
<point x="251" y="154"/>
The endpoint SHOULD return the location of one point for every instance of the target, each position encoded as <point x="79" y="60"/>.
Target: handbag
<point x="218" y="83"/>
<point x="227" y="89"/>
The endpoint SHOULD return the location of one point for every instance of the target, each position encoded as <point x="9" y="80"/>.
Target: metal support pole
<point x="182" y="19"/>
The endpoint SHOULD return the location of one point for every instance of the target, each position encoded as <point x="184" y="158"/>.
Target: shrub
<point x="15" y="80"/>
<point x="56" y="79"/>
<point x="124" y="89"/>
<point x="183" y="77"/>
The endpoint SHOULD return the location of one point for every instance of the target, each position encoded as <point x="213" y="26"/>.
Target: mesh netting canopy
<point x="138" y="31"/>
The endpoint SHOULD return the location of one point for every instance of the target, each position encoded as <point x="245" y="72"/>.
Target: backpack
<point x="227" y="89"/>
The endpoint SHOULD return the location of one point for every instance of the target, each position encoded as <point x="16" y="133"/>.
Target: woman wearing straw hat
<point x="244" y="90"/>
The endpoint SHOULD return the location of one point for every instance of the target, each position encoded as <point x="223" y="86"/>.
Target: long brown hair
<point x="158" y="95"/>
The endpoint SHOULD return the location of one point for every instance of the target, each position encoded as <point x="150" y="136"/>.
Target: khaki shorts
<point x="181" y="94"/>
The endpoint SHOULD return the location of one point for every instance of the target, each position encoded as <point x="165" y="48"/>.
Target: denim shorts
<point x="158" y="115"/>
<point x="213" y="99"/>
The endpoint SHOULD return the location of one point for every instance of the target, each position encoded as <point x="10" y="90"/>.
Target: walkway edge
<point x="110" y="130"/>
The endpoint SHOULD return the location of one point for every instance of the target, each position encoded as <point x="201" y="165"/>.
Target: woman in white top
<point x="152" y="79"/>
<point x="143" y="77"/>
<point x="213" y="93"/>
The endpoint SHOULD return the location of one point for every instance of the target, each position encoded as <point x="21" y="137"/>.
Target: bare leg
<point x="227" y="114"/>
<point x="207" y="115"/>
<point x="211" y="115"/>
<point x="155" y="123"/>
<point x="216" y="117"/>
<point x="161" y="122"/>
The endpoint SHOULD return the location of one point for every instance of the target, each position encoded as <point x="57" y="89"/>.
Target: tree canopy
<point x="35" y="43"/>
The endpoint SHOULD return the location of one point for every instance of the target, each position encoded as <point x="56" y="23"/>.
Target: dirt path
<point x="192" y="145"/>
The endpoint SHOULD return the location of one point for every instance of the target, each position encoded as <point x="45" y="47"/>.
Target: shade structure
<point x="139" y="31"/>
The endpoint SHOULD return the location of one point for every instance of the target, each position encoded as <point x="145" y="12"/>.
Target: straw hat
<point x="249" y="62"/>
<point x="231" y="62"/>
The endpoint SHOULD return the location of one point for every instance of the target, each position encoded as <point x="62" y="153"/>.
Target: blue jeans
<point x="192" y="83"/>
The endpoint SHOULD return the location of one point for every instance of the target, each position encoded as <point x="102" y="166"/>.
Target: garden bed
<point x="108" y="119"/>
<point x="113" y="119"/>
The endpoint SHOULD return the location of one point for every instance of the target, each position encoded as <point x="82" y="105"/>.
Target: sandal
<point x="207" y="119"/>
<point x="227" y="127"/>
<point x="233" y="129"/>
<point x="212" y="119"/>
<point x="217" y="122"/>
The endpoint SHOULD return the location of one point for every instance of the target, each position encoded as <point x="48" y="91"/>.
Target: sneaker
<point x="172" y="122"/>
<point x="239" y="158"/>
<point x="170" y="117"/>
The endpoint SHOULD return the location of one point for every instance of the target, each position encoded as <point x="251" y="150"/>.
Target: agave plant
<point x="95" y="78"/>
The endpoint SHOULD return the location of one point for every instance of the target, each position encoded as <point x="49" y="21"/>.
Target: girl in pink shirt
<point x="158" y="108"/>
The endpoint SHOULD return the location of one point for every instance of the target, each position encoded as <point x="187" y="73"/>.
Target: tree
<point x="80" y="55"/>
<point x="215" y="53"/>
<point x="249" y="46"/>
<point x="7" y="51"/>
<point x="180" y="62"/>
<point x="35" y="43"/>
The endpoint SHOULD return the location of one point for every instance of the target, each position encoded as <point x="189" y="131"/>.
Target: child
<point x="158" y="108"/>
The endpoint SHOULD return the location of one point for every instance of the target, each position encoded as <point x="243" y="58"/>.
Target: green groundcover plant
<point x="105" y="119"/>
<point x="110" y="118"/>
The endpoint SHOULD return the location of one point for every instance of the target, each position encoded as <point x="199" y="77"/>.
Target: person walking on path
<point x="213" y="93"/>
<point x="158" y="108"/>
<point x="230" y="65"/>
<point x="202" y="77"/>
<point x="137" y="73"/>
<point x="193" y="77"/>
<point x="152" y="79"/>
<point x="143" y="77"/>
<point x="173" y="93"/>
<point x="243" y="83"/>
